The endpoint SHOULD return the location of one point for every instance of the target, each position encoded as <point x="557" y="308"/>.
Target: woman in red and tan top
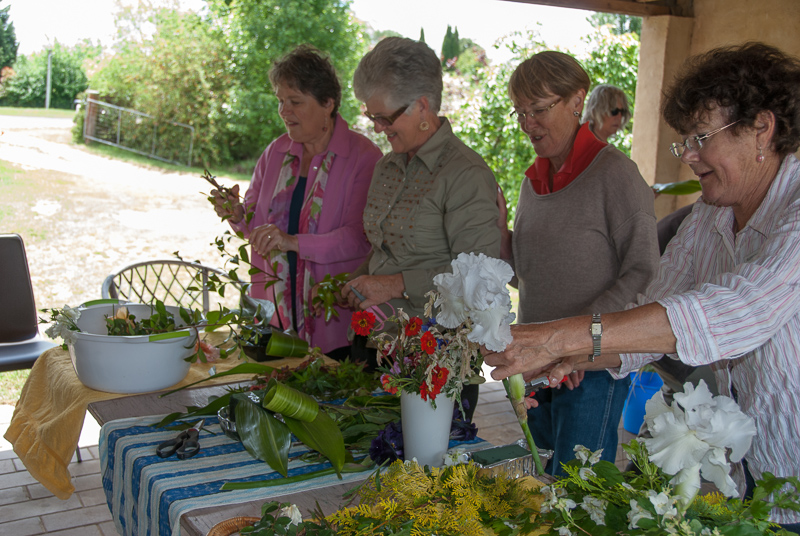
<point x="584" y="241"/>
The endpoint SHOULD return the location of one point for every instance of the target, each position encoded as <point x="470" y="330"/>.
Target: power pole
<point x="49" y="68"/>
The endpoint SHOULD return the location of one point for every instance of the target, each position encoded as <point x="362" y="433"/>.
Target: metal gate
<point x="138" y="132"/>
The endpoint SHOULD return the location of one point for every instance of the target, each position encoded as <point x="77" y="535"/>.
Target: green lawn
<point x="37" y="112"/>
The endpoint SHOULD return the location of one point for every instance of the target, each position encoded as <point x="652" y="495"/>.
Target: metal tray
<point x="514" y="467"/>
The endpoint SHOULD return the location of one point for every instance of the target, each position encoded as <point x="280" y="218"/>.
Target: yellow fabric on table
<point x="47" y="421"/>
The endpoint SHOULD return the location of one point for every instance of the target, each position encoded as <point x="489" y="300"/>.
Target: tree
<point x="485" y="125"/>
<point x="8" y="39"/>
<point x="28" y="85"/>
<point x="260" y="31"/>
<point x="471" y="58"/>
<point x="614" y="59"/>
<point x="450" y="47"/>
<point x="178" y="71"/>
<point x="422" y="35"/>
<point x="620" y="24"/>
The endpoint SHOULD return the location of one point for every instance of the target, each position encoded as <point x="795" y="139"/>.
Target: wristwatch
<point x="597" y="331"/>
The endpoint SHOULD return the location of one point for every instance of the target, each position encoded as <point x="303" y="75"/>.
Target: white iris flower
<point x="477" y="290"/>
<point x="691" y="437"/>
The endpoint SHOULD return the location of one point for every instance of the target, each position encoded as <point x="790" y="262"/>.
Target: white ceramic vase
<point x="426" y="431"/>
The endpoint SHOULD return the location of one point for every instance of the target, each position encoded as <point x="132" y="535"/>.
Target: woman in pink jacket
<point x="307" y="196"/>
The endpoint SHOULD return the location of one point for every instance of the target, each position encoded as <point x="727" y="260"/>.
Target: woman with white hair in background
<point x="607" y="111"/>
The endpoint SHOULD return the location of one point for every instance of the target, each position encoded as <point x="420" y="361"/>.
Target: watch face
<point x="597" y="329"/>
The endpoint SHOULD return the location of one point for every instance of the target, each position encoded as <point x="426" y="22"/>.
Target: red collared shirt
<point x="583" y="151"/>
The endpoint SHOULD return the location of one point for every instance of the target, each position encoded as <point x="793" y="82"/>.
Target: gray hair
<point x="602" y="100"/>
<point x="400" y="70"/>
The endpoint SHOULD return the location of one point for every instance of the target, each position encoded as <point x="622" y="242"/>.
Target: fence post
<point x="90" y="120"/>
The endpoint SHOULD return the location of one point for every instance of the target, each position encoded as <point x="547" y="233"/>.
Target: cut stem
<point x="515" y="388"/>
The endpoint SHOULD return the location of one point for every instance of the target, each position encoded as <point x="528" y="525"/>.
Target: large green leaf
<point x="244" y="368"/>
<point x="264" y="436"/>
<point x="678" y="188"/>
<point x="322" y="435"/>
<point x="290" y="402"/>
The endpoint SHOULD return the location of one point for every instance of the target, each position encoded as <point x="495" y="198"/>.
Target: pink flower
<point x="211" y="352"/>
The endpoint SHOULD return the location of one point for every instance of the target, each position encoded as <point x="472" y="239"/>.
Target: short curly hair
<point x="400" y="70"/>
<point x="744" y="80"/>
<point x="308" y="71"/>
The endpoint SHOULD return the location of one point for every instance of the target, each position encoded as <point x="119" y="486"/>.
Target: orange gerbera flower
<point x="428" y="342"/>
<point x="362" y="323"/>
<point x="413" y="326"/>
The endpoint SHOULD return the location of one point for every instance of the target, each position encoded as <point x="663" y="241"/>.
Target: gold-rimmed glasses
<point x="695" y="143"/>
<point x="537" y="114"/>
<point x="386" y="121"/>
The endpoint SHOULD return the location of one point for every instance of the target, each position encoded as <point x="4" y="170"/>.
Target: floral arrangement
<point x="441" y="353"/>
<point x="690" y="437"/>
<point x="421" y="356"/>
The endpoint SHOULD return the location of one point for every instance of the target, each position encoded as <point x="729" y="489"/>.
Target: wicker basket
<point x="231" y="526"/>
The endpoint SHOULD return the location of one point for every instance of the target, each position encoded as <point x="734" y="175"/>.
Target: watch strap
<point x="597" y="331"/>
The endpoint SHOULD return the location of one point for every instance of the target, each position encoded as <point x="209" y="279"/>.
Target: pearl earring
<point x="760" y="157"/>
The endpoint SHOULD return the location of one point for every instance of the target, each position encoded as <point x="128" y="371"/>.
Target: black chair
<point x="174" y="282"/>
<point x="20" y="342"/>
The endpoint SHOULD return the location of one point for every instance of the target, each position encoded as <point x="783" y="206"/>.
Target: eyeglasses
<point x="386" y="121"/>
<point x="695" y="143"/>
<point x="537" y="114"/>
<point x="616" y="111"/>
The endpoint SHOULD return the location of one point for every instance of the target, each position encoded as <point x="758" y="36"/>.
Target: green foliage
<point x="8" y="39"/>
<point x="178" y="73"/>
<point x="123" y="323"/>
<point x="620" y="24"/>
<point x="378" y="35"/>
<point x="422" y="35"/>
<point x="451" y="47"/>
<point x="488" y="128"/>
<point x="614" y="59"/>
<point x="257" y="33"/>
<point x="28" y="85"/>
<point x="471" y="58"/>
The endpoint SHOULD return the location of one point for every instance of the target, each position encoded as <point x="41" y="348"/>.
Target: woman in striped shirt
<point x="728" y="288"/>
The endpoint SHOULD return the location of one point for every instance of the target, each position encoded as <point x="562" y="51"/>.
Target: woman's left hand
<point x="268" y="237"/>
<point x="376" y="289"/>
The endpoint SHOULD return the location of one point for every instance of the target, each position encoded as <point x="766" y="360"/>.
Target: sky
<point x="39" y="22"/>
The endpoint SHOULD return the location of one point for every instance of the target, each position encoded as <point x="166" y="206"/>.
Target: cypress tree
<point x="8" y="40"/>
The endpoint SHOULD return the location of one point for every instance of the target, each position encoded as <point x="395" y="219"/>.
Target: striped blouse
<point x="733" y="301"/>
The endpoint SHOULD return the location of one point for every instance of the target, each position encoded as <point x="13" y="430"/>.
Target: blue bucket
<point x="643" y="387"/>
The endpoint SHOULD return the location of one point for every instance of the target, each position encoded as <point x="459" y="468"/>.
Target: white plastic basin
<point x="137" y="364"/>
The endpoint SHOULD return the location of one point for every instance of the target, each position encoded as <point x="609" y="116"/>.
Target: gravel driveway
<point x="92" y="215"/>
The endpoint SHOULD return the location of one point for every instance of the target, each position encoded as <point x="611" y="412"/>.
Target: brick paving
<point x="28" y="509"/>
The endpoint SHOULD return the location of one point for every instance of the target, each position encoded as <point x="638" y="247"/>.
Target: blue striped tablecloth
<point x="147" y="495"/>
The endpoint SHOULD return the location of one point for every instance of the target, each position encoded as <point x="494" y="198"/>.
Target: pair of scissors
<point x="186" y="444"/>
<point x="534" y="385"/>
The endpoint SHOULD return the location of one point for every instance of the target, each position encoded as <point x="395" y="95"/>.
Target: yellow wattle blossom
<point x="451" y="501"/>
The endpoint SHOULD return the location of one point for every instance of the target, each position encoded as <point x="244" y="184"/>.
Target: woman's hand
<point x="502" y="224"/>
<point x="228" y="207"/>
<point x="266" y="238"/>
<point x="527" y="354"/>
<point x="376" y="289"/>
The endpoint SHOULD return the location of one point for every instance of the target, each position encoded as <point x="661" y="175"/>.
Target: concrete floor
<point x="27" y="508"/>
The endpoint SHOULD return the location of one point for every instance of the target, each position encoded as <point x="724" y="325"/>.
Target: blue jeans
<point x="588" y="415"/>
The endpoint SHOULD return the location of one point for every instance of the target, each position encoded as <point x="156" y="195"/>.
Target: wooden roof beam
<point x="624" y="7"/>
